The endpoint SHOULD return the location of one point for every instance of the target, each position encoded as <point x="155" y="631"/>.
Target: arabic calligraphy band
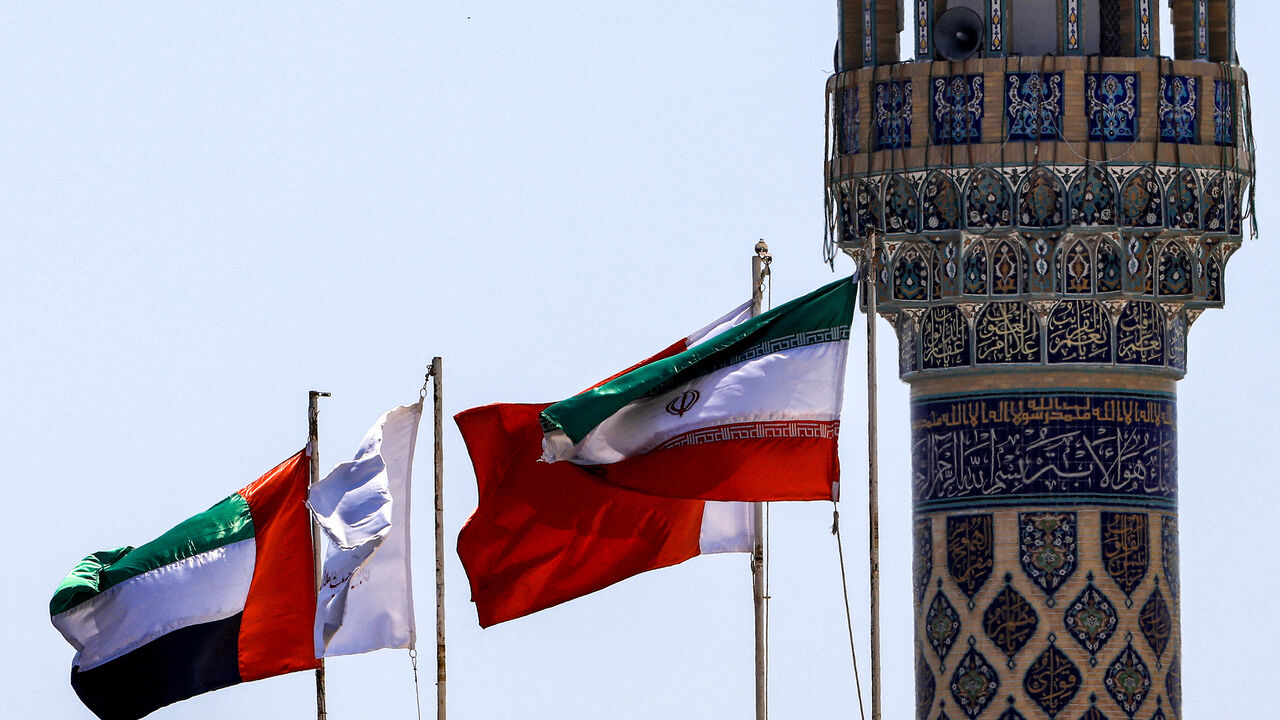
<point x="1045" y="537"/>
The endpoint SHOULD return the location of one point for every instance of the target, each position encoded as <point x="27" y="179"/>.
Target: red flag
<point x="544" y="533"/>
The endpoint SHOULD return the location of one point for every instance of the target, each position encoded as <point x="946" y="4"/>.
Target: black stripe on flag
<point x="173" y="667"/>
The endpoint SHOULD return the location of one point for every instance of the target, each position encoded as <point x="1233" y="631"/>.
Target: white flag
<point x="366" y="599"/>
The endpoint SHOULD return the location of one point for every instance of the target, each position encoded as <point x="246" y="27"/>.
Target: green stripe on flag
<point x="821" y="316"/>
<point x="227" y="522"/>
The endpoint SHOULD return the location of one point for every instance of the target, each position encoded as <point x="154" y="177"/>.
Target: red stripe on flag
<point x="544" y="533"/>
<point x="747" y="470"/>
<point x="276" y="631"/>
<point x="755" y="430"/>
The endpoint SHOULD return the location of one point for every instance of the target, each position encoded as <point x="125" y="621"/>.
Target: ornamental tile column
<point x="1047" y="232"/>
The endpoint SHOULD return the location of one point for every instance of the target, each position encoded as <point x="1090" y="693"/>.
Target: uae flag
<point x="751" y="414"/>
<point x="543" y="534"/>
<point x="225" y="597"/>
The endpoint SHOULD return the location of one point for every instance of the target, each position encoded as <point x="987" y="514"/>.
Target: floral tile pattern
<point x="942" y="624"/>
<point x="1178" y="111"/>
<point x="1111" y="100"/>
<point x="1224" y="111"/>
<point x="940" y="202"/>
<point x="1041" y="200"/>
<point x="956" y="109"/>
<point x="1033" y="105"/>
<point x="1091" y="619"/>
<point x="989" y="200"/>
<point x="893" y="114"/>
<point x="1093" y="198"/>
<point x="1047" y="548"/>
<point x="974" y="684"/>
<point x="1128" y="680"/>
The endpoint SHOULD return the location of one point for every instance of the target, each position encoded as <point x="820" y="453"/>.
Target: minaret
<point x="1051" y="204"/>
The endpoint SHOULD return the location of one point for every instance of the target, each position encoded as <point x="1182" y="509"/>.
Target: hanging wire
<point x="848" y="616"/>
<point x="1245" y="118"/>
<point x="417" y="697"/>
<point x="829" y="155"/>
<point x="1228" y="197"/>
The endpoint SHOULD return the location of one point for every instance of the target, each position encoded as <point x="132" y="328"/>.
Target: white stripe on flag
<point x="726" y="527"/>
<point x="202" y="588"/>
<point x="734" y="317"/>
<point x="789" y="385"/>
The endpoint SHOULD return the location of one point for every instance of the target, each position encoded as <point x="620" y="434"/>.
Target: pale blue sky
<point x="208" y="209"/>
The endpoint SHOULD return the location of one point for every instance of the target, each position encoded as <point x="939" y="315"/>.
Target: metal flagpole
<point x="313" y="474"/>
<point x="759" y="270"/>
<point x="873" y="475"/>
<point x="438" y="403"/>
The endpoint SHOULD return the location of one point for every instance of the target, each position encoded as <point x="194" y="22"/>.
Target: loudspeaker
<point x="957" y="34"/>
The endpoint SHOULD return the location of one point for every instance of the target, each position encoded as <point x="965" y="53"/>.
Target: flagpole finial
<point x="760" y="270"/>
<point x="762" y="252"/>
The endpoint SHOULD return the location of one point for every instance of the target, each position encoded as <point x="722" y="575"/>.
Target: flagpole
<point x="759" y="270"/>
<point x="873" y="475"/>
<point x="313" y="474"/>
<point x="437" y="366"/>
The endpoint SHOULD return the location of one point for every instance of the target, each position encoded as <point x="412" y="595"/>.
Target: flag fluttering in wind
<point x="751" y="414"/>
<point x="229" y="595"/>
<point x="226" y="596"/>
<point x="366" y="596"/>
<point x="543" y="534"/>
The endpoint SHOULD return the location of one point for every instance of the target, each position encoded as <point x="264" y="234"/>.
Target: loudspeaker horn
<point x="957" y="34"/>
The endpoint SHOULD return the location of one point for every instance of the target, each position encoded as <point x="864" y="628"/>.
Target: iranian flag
<point x="751" y="414"/>
<point x="543" y="534"/>
<point x="226" y="596"/>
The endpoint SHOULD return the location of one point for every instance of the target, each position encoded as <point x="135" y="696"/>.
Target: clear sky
<point x="208" y="209"/>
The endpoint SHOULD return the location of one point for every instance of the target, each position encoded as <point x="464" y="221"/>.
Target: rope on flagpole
<point x="848" y="617"/>
<point x="417" y="696"/>
<point x="413" y="651"/>
<point x="863" y="272"/>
